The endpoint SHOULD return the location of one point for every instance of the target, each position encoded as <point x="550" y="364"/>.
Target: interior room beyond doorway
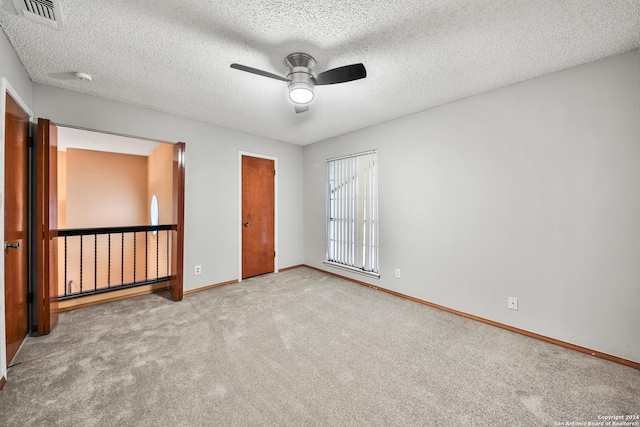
<point x="109" y="183"/>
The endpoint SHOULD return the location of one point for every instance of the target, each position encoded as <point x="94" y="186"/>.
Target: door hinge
<point x="29" y="297"/>
<point x="274" y="254"/>
<point x="274" y="172"/>
<point x="31" y="141"/>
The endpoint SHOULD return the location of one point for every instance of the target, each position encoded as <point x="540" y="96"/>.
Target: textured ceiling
<point x="174" y="55"/>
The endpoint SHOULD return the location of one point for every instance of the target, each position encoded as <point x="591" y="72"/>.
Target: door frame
<point x="176" y="287"/>
<point x="6" y="88"/>
<point x="275" y="209"/>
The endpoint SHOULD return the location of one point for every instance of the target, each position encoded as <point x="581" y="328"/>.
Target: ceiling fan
<point x="301" y="80"/>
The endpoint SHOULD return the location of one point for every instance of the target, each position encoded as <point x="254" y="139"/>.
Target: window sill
<point x="352" y="270"/>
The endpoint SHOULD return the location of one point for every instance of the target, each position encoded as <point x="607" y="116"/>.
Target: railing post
<point x="122" y="260"/>
<point x="157" y="236"/>
<point x="65" y="265"/>
<point x="81" y="263"/>
<point x="95" y="262"/>
<point x="109" y="262"/>
<point x="135" y="253"/>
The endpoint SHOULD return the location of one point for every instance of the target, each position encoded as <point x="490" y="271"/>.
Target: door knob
<point x="14" y="245"/>
<point x="246" y="224"/>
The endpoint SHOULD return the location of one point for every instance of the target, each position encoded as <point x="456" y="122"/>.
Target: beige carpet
<point x="301" y="348"/>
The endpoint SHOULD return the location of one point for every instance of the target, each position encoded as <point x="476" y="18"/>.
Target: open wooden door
<point x="47" y="217"/>
<point x="258" y="217"/>
<point x="177" y="252"/>
<point x="16" y="245"/>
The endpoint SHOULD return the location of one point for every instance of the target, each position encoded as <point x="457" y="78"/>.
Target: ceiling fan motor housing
<point x="300" y="77"/>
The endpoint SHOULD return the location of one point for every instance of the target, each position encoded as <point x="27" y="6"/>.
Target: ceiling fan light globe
<point x="300" y="95"/>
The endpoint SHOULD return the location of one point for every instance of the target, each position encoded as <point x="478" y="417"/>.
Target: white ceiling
<point x="98" y="141"/>
<point x="174" y="55"/>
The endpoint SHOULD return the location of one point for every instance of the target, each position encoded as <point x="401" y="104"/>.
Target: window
<point x="154" y="212"/>
<point x="352" y="212"/>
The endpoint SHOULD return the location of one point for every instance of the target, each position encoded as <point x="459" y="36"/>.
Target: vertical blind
<point x="352" y="211"/>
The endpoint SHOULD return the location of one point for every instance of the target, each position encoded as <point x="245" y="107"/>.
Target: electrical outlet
<point x="397" y="273"/>
<point x="513" y="303"/>
<point x="198" y="270"/>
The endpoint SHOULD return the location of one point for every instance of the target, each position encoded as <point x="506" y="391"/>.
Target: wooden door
<point x="47" y="225"/>
<point x="177" y="250"/>
<point x="16" y="257"/>
<point x="258" y="224"/>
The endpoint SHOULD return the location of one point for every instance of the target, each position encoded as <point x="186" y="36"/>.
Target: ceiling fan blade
<point x="344" y="74"/>
<point x="258" y="72"/>
<point x="301" y="108"/>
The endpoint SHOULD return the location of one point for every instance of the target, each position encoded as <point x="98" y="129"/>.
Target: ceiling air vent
<point x="45" y="12"/>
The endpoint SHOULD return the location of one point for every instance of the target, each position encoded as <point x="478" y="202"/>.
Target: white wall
<point x="211" y="200"/>
<point x="531" y="191"/>
<point x="13" y="71"/>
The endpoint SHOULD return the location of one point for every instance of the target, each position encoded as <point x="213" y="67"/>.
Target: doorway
<point x="90" y="262"/>
<point x="258" y="215"/>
